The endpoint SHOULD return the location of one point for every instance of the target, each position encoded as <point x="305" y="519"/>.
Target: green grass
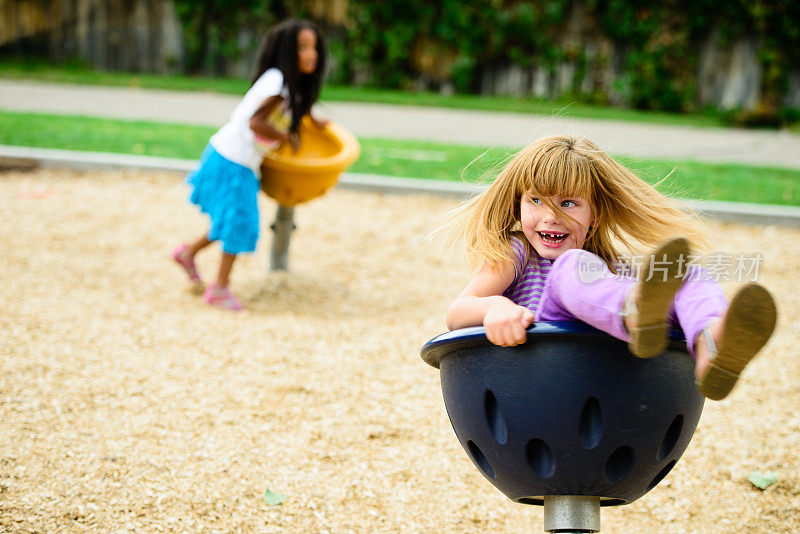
<point x="80" y="74"/>
<point x="416" y="159"/>
<point x="103" y="135"/>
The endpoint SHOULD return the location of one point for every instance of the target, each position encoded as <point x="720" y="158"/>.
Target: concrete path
<point x="769" y="148"/>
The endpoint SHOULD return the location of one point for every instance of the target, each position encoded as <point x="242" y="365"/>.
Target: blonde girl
<point x="546" y="233"/>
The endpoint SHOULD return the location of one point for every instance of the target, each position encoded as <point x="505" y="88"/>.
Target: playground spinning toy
<point x="570" y="419"/>
<point x="292" y="178"/>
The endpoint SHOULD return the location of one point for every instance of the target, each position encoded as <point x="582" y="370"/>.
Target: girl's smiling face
<point x="306" y="51"/>
<point x="549" y="235"/>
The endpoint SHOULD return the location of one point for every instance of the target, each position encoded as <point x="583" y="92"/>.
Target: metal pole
<point x="282" y="229"/>
<point x="571" y="513"/>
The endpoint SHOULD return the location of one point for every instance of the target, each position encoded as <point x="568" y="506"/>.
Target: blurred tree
<point x="675" y="55"/>
<point x="214" y="28"/>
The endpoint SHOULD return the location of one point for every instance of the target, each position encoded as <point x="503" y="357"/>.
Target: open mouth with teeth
<point x="554" y="238"/>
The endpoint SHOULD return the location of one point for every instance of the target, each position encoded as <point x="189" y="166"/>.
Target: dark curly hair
<point x="279" y="50"/>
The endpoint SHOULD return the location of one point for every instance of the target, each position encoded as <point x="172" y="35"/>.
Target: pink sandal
<point x="196" y="284"/>
<point x="221" y="297"/>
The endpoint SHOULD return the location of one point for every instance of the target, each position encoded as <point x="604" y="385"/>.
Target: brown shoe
<point x="647" y="304"/>
<point x="746" y="328"/>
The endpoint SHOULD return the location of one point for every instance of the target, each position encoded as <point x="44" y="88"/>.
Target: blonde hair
<point x="624" y="207"/>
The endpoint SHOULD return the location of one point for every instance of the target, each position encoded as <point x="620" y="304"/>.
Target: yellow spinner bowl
<point x="292" y="178"/>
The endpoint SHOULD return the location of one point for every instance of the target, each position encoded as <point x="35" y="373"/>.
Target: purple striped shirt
<point x="529" y="276"/>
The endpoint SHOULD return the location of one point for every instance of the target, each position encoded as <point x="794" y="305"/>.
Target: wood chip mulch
<point x="127" y="405"/>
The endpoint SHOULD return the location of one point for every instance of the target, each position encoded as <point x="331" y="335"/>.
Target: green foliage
<point x="212" y="29"/>
<point x="480" y="34"/>
<point x="650" y="48"/>
<point x="380" y="37"/>
<point x="659" y="42"/>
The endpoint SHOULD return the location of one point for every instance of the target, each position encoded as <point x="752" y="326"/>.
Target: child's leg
<point x="225" y="267"/>
<point x="580" y="286"/>
<point x="197" y="245"/>
<point x="184" y="255"/>
<point x="697" y="303"/>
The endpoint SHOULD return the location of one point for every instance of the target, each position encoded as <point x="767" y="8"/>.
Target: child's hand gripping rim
<point x="506" y="323"/>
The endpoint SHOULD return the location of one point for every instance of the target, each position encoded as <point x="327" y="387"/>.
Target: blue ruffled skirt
<point x="228" y="193"/>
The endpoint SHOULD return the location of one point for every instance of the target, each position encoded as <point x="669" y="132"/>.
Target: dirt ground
<point x="128" y="405"/>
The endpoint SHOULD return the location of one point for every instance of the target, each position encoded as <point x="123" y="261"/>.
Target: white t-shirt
<point x="235" y="140"/>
